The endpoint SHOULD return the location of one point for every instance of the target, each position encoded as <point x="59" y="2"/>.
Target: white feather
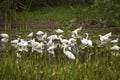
<point x="115" y="47"/>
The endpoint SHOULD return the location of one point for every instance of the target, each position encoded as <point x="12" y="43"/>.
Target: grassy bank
<point x="35" y="66"/>
<point x="32" y="66"/>
<point x="59" y="13"/>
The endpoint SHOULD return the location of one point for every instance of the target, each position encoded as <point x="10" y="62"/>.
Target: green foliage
<point x="9" y="8"/>
<point x="103" y="12"/>
<point x="108" y="10"/>
<point x="37" y="67"/>
<point x="7" y="12"/>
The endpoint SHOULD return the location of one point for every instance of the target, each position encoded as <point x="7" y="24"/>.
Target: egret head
<point x="86" y="33"/>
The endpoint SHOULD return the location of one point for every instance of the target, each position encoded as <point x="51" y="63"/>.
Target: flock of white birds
<point x="42" y="42"/>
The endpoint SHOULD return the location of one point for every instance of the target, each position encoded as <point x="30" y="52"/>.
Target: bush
<point x="109" y="10"/>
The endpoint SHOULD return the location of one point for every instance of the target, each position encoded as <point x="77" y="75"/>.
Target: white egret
<point x="39" y="33"/>
<point x="115" y="48"/>
<point x="34" y="44"/>
<point x="87" y="35"/>
<point x="75" y="32"/>
<point x="18" y="55"/>
<point x="3" y="43"/>
<point x="39" y="48"/>
<point x="52" y="37"/>
<point x="15" y="42"/>
<point x="50" y="42"/>
<point x="68" y="53"/>
<point x="108" y="34"/>
<point x="114" y="41"/>
<point x="105" y="37"/>
<point x="51" y="48"/>
<point x="44" y="36"/>
<point x="59" y="31"/>
<point x="4" y="35"/>
<point x="86" y="41"/>
<point x="30" y="35"/>
<point x="23" y="46"/>
<point x="72" y="41"/>
<point x="89" y="42"/>
<point x="4" y="40"/>
<point x="62" y="40"/>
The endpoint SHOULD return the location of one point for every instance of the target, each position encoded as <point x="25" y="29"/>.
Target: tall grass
<point x="108" y="10"/>
<point x="38" y="67"/>
<point x="8" y="11"/>
<point x="108" y="14"/>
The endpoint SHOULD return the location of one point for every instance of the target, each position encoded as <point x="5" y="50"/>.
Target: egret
<point x="4" y="40"/>
<point x="87" y="35"/>
<point x="4" y="35"/>
<point x="50" y="42"/>
<point x="51" y="49"/>
<point x="18" y="55"/>
<point x="15" y="42"/>
<point x="39" y="48"/>
<point x="52" y="37"/>
<point x="75" y="32"/>
<point x="39" y="33"/>
<point x="30" y="35"/>
<point x="105" y="37"/>
<point x="63" y="42"/>
<point x="114" y="41"/>
<point x="59" y="31"/>
<point x="89" y="42"/>
<point x="23" y="46"/>
<point x="68" y="53"/>
<point x="72" y="41"/>
<point x="115" y="48"/>
<point x="33" y="45"/>
<point x="86" y="41"/>
<point x="108" y="34"/>
<point x="30" y="42"/>
<point x="44" y="36"/>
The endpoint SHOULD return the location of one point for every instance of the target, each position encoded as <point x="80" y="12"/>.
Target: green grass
<point x="33" y="68"/>
<point x="64" y="13"/>
<point x="59" y="13"/>
<point x="38" y="67"/>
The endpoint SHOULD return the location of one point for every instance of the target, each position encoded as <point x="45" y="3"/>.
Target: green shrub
<point x="109" y="10"/>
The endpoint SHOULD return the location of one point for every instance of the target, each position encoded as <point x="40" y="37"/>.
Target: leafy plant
<point x="108" y="10"/>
